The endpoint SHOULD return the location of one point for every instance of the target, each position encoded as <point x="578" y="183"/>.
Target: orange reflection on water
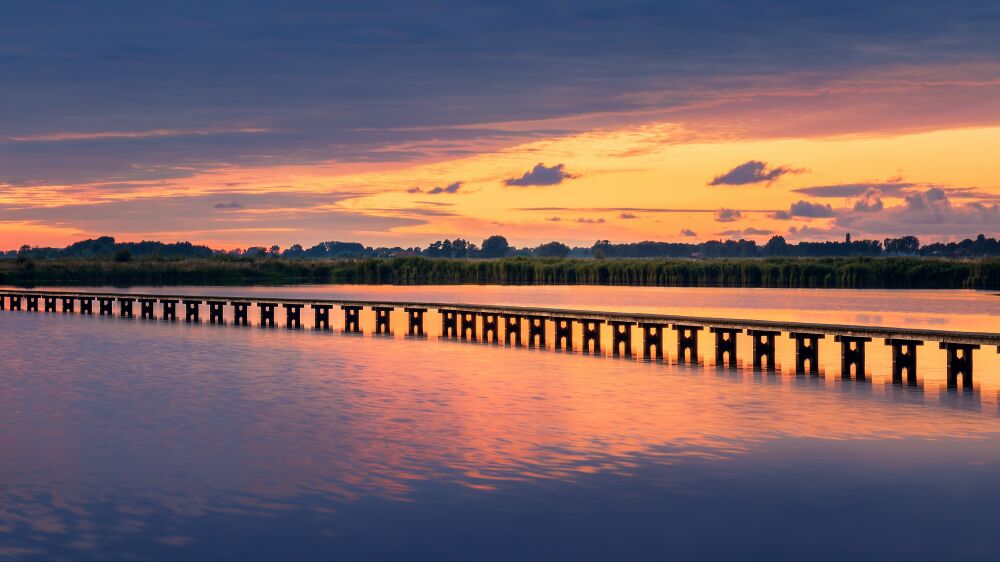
<point x="200" y="421"/>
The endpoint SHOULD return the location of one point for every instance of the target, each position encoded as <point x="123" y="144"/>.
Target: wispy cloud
<point x="747" y="232"/>
<point x="450" y="188"/>
<point x="855" y="189"/>
<point x="752" y="172"/>
<point x="633" y="210"/>
<point x="149" y="134"/>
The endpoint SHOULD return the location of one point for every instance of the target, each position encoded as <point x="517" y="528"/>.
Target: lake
<point x="123" y="438"/>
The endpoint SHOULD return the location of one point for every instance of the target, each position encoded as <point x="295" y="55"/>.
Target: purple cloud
<point x="806" y="209"/>
<point x="450" y="188"/>
<point x="806" y="231"/>
<point x="930" y="212"/>
<point x="688" y="233"/>
<point x="727" y="215"/>
<point x="750" y="172"/>
<point x="869" y="202"/>
<point x="541" y="175"/>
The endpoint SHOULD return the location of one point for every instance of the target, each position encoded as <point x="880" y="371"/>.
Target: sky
<point x="400" y="123"/>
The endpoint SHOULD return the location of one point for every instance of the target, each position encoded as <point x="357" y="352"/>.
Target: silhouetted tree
<point x="552" y="250"/>
<point x="776" y="246"/>
<point x="495" y="247"/>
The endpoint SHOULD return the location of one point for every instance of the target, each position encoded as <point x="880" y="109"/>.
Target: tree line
<point x="497" y="246"/>
<point x="777" y="272"/>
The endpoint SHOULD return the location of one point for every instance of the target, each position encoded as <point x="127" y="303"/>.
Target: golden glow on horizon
<point x="653" y="166"/>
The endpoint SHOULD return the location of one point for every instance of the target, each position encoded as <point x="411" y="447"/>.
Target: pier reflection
<point x="575" y="331"/>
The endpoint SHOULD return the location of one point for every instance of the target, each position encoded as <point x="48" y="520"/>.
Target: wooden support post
<point x="169" y="307"/>
<point x="467" y="326"/>
<point x="592" y="336"/>
<point x="383" y="318"/>
<point x="50" y="304"/>
<point x="621" y="338"/>
<point x="563" y="333"/>
<point x="192" y="311"/>
<point x="32" y="303"/>
<point x="86" y="305"/>
<point x="216" y="312"/>
<point x="241" y="313"/>
<point x="725" y="347"/>
<point x="293" y="315"/>
<point x="352" y="319"/>
<point x="491" y="327"/>
<point x="146" y="309"/>
<point x="512" y="329"/>
<point x="904" y="358"/>
<point x="415" y="321"/>
<point x="125" y="306"/>
<point x="959" y="363"/>
<point x="763" y="349"/>
<point x="68" y="305"/>
<point x="321" y="316"/>
<point x="687" y="343"/>
<point x="852" y="353"/>
<point x="267" y="313"/>
<point x="449" y="323"/>
<point x="536" y="331"/>
<point x="806" y="352"/>
<point x="652" y="341"/>
<point x="106" y="306"/>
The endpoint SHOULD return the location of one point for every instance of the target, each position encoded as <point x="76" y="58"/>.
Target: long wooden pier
<point x="514" y="324"/>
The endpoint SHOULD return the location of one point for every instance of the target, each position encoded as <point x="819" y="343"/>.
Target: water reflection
<point x="126" y="438"/>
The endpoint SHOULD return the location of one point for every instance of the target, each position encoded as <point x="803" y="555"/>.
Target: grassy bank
<point x="771" y="272"/>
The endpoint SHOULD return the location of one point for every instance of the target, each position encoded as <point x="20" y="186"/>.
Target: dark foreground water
<point x="131" y="439"/>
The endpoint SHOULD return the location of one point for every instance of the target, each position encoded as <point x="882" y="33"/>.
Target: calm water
<point x="137" y="439"/>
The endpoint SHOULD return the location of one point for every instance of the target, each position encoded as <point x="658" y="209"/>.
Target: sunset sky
<point x="400" y="123"/>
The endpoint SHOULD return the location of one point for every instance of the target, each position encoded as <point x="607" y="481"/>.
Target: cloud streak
<point x="751" y="172"/>
<point x="151" y="134"/>
<point x="450" y="188"/>
<point x="746" y="232"/>
<point x="855" y="189"/>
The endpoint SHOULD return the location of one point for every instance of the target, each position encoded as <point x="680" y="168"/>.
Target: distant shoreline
<point x="846" y="273"/>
